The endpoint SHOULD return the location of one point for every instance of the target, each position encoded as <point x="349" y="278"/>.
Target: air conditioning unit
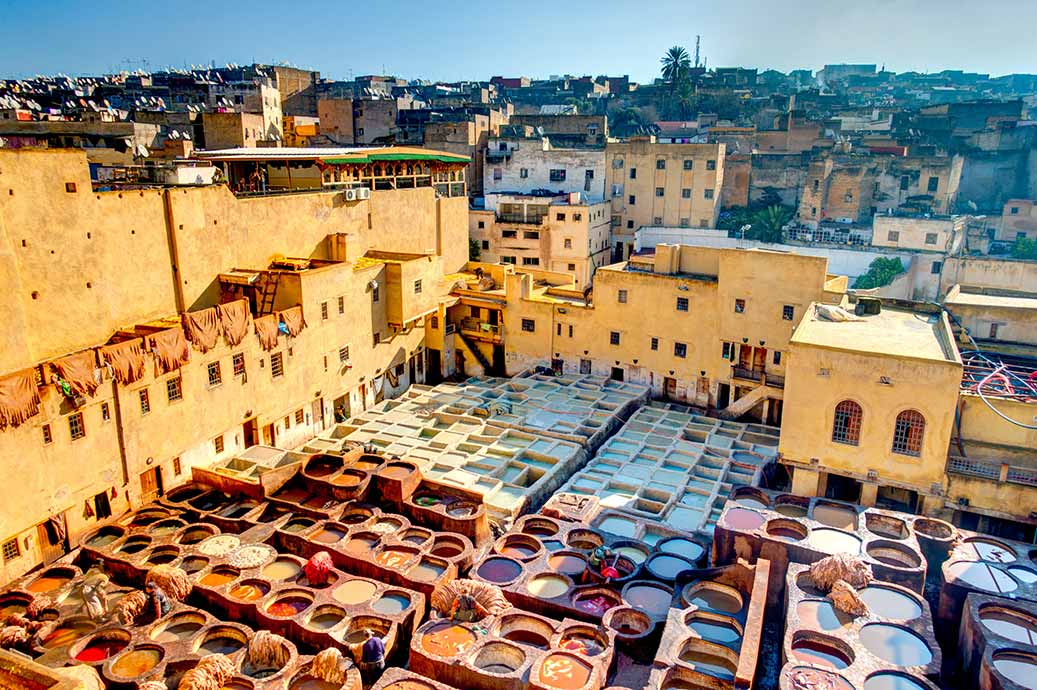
<point x="363" y="193"/>
<point x="351" y="194"/>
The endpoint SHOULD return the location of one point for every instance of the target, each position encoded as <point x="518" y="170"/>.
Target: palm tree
<point x="676" y="65"/>
<point x="768" y="223"/>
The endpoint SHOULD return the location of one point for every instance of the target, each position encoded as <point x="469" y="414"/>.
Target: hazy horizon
<point x="451" y="40"/>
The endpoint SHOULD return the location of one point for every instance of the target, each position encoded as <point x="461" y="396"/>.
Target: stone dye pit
<point x="997" y="643"/>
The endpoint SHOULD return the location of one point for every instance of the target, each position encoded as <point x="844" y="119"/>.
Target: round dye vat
<point x="834" y="541"/>
<point x="298" y="525"/>
<point x="348" y="480"/>
<point x="406" y="685"/>
<point x="100" y="649"/>
<point x="219" y="545"/>
<point x="361" y="544"/>
<point x="416" y="536"/>
<point x="288" y="606"/>
<point x="621" y="527"/>
<point x="134" y="545"/>
<point x="635" y="554"/>
<point x="324" y="619"/>
<point x="249" y="591"/>
<point x="989" y="550"/>
<point x="426" y="571"/>
<point x="193" y="565"/>
<point x="892" y="681"/>
<point x="391" y="604"/>
<point x="743" y="519"/>
<point x="308" y="682"/>
<point x="708" y="663"/>
<point x="553" y="545"/>
<point x="584" y="539"/>
<point x="397" y="471"/>
<point x="564" y="671"/>
<point x="714" y="599"/>
<point x="585" y="644"/>
<point x="540" y="527"/>
<point x="899" y="646"/>
<point x="1023" y="574"/>
<point x="792" y="510"/>
<point x="177" y="630"/>
<point x="499" y="570"/>
<point x="461" y="509"/>
<point x="137" y="662"/>
<point x="685" y="548"/>
<point x="386" y="526"/>
<point x="447" y="639"/>
<point x="893" y="554"/>
<point x="595" y="603"/>
<point x="166" y="527"/>
<point x="833" y="515"/>
<point x="567" y="564"/>
<point x="889" y="603"/>
<point x="220" y="644"/>
<point x="499" y="658"/>
<point x="666" y="567"/>
<point x="982" y="576"/>
<point x="328" y="535"/>
<point x="1018" y="668"/>
<point x="355" y="592"/>
<point x="218" y="578"/>
<point x="1014" y="625"/>
<point x="445" y="547"/>
<point x="104" y="537"/>
<point x="822" y="616"/>
<point x="715" y="631"/>
<point x="521" y="548"/>
<point x="194" y="535"/>
<point x="547" y="586"/>
<point x="67" y="633"/>
<point x="750" y="501"/>
<point x="49" y="582"/>
<point x="395" y="559"/>
<point x="818" y="653"/>
<point x="786" y="530"/>
<point x="652" y="599"/>
<point x="282" y="569"/>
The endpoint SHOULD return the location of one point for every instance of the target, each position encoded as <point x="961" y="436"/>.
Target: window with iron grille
<point x="686" y="193"/>
<point x="215" y="376"/>
<point x="660" y="164"/>
<point x="11" y="549"/>
<point x="529" y="325"/>
<point x="711" y="165"/>
<point x="622" y="297"/>
<point x="557" y="175"/>
<point x="847" y="426"/>
<point x="659" y="191"/>
<point x="218" y="444"/>
<point x="324" y="311"/>
<point x="688" y="164"/>
<point x="614" y="338"/>
<point x="680" y="350"/>
<point x="682" y="304"/>
<point x="288" y="422"/>
<point x="48" y="437"/>
<point x="788" y="312"/>
<point x="75" y="425"/>
<point x="177" y="469"/>
<point x="174" y="389"/>
<point x="145" y="401"/>
<point x="908" y="432"/>
<point x="417" y="287"/>
<point x="930" y="238"/>
<point x="239" y="363"/>
<point x="567" y="243"/>
<point x="277" y="364"/>
<point x="343" y="352"/>
<point x="341" y="305"/>
<point x="300" y="416"/>
<point x="585" y="366"/>
<point x="106" y="413"/>
<point x="655" y="343"/>
<point x="707" y="193"/>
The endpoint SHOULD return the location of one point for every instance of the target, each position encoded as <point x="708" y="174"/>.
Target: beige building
<point x="919" y="233"/>
<point x="106" y="404"/>
<point x="677" y="185"/>
<point x="1018" y="220"/>
<point x="565" y="233"/>
<point x="234" y="130"/>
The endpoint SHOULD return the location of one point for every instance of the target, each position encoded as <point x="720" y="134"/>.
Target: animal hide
<point x="126" y="359"/>
<point x="235" y="319"/>
<point x="78" y="370"/>
<point x="266" y="329"/>
<point x="293" y="320"/>
<point x="170" y="348"/>
<point x="19" y="398"/>
<point x="202" y="328"/>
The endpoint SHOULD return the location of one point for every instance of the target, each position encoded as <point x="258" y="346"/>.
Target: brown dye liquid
<point x="66" y="634"/>
<point x="784" y="533"/>
<point x="360" y="544"/>
<point x="566" y="564"/>
<point x="819" y="654"/>
<point x="328" y="536"/>
<point x="216" y="579"/>
<point x="791" y="510"/>
<point x="247" y="592"/>
<point x="565" y="672"/>
<point x="447" y="639"/>
<point x="527" y="637"/>
<point x="281" y="569"/>
<point x="518" y="551"/>
<point x="710" y="664"/>
<point x="715" y="600"/>
<point x="179" y="631"/>
<point x="48" y="583"/>
<point x="355" y="591"/>
<point x="394" y="558"/>
<point x="396" y="472"/>
<point x="840" y="517"/>
<point x="136" y="663"/>
<point x="346" y="480"/>
<point x="311" y="683"/>
<point x="582" y="644"/>
<point x="654" y="601"/>
<point x="325" y="621"/>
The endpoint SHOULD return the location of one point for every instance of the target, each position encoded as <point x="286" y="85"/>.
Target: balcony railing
<point x="528" y="219"/>
<point x="747" y="374"/>
<point x="992" y="470"/>
<point x="774" y="381"/>
<point x="481" y="329"/>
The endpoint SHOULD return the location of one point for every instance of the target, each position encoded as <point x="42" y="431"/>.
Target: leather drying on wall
<point x="78" y="370"/>
<point x="19" y="398"/>
<point x="293" y="320"/>
<point x="235" y="319"/>
<point x="127" y="360"/>
<point x="266" y="329"/>
<point x="170" y="349"/>
<point x="202" y="328"/>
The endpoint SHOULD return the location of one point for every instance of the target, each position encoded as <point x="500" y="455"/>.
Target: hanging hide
<point x="126" y="359"/>
<point x="78" y="370"/>
<point x="170" y="349"/>
<point x="235" y="320"/>
<point x="202" y="328"/>
<point x="19" y="398"/>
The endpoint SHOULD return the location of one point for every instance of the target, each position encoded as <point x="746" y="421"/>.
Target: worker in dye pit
<point x="158" y="602"/>
<point x="602" y="564"/>
<point x="467" y="610"/>
<point x="95" y="598"/>
<point x="372" y="655"/>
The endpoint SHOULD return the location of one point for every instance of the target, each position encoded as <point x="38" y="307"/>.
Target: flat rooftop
<point x="974" y="297"/>
<point x="893" y="332"/>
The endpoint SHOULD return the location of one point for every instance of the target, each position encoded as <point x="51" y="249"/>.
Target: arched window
<point x="847" y="426"/>
<point x="908" y="433"/>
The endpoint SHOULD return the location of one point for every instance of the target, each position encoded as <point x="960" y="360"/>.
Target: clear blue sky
<point x="451" y="39"/>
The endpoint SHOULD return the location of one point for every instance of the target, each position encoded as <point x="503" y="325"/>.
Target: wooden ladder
<point x="266" y="298"/>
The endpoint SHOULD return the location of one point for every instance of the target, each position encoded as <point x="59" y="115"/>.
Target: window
<point x="11" y="548"/>
<point x="577" y="217"/>
<point x="215" y="377"/>
<point x="993" y="330"/>
<point x="936" y="267"/>
<point x="48" y="437"/>
<point x="657" y="220"/>
<point x="239" y="363"/>
<point x="685" y="222"/>
<point x="433" y="323"/>
<point x="905" y="183"/>
<point x="685" y="193"/>
<point x="930" y="238"/>
<point x="817" y="183"/>
<point x="530" y="261"/>
<point x="177" y="468"/>
<point x="1014" y="210"/>
<point x="788" y="312"/>
<point x="680" y="350"/>
<point x="523" y="173"/>
<point x="300" y="416"/>
<point x="682" y="304"/>
<point x="729" y="352"/>
<point x="848" y="197"/>
<point x="374" y="294"/>
<point x="614" y="338"/>
<point x="934" y="184"/>
<point x="417" y="287"/>
<point x="174" y="389"/>
<point x="70" y="187"/>
<point x="847" y="426"/>
<point x="688" y="163"/>
<point x="570" y="330"/>
<point x="485" y="244"/>
<point x="498" y="174"/>
<point x="659" y="191"/>
<point x="630" y="225"/>
<point x="893" y="236"/>
<point x="707" y="193"/>
<point x="531" y="234"/>
<point x="777" y="357"/>
<point x="106" y="412"/>
<point x="632" y="200"/>
<point x="558" y="329"/>
<point x="323" y="311"/>
<point x="507" y="260"/>
<point x="218" y="444"/>
<point x="277" y="365"/>
<point x="621" y="296"/>
<point x="377" y="338"/>
<point x="145" y="402"/>
<point x="908" y="432"/>
<point x="739" y="306"/>
<point x="509" y="234"/>
<point x="559" y="216"/>
<point x="655" y="343"/>
<point x="343" y="352"/>
<point x="482" y="225"/>
<point x="585" y="366"/>
<point x="75" y="425"/>
<point x="711" y="165"/>
<point x="529" y="325"/>
<point x="572" y="267"/>
<point x="633" y="173"/>
<point x="557" y="175"/>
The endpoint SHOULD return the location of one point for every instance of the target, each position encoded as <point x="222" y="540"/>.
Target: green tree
<point x="676" y="65"/>
<point x="1024" y="248"/>
<point x="474" y="250"/>
<point x="881" y="272"/>
<point x="769" y="222"/>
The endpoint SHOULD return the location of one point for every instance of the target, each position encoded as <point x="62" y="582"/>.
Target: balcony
<point x="992" y="470"/>
<point x="481" y="330"/>
<point x="774" y="381"/>
<point x="738" y="372"/>
<point x="527" y="219"/>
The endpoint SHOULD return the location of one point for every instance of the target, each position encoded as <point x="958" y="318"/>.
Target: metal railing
<point x="528" y="219"/>
<point x="992" y="470"/>
<point x="746" y="374"/>
<point x="481" y="327"/>
<point x="774" y="381"/>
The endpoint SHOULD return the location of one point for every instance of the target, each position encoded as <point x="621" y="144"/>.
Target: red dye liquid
<point x="99" y="650"/>
<point x="287" y="607"/>
<point x="596" y="606"/>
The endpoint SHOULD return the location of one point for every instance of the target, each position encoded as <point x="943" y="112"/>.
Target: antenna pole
<point x="697" y="40"/>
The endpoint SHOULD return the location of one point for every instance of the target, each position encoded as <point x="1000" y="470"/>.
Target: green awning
<point x="385" y="157"/>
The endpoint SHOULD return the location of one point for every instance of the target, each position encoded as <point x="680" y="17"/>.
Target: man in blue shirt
<point x="372" y="655"/>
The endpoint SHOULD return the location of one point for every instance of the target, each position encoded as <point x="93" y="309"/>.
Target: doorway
<point x="340" y="408"/>
<point x="723" y="395"/>
<point x="459" y="363"/>
<point x="250" y="433"/>
<point x="843" y="488"/>
<point x="150" y="484"/>
<point x="558" y="366"/>
<point x="52" y="536"/>
<point x="268" y="435"/>
<point x="670" y="387"/>
<point x="617" y="374"/>
<point x="434" y="374"/>
<point x="895" y="498"/>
